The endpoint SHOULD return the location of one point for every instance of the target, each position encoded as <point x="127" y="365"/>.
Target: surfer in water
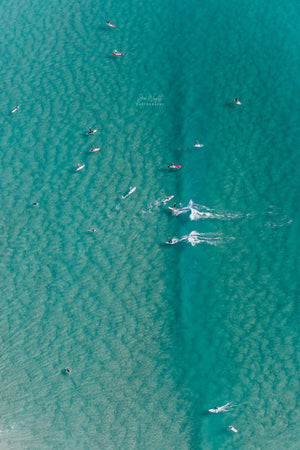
<point x="224" y="408"/>
<point x="108" y="22"/>
<point x="236" y="100"/>
<point x="68" y="371"/>
<point x="92" y="230"/>
<point x="173" y="166"/>
<point x="35" y="204"/>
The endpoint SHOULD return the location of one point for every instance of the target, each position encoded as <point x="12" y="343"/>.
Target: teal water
<point x="155" y="335"/>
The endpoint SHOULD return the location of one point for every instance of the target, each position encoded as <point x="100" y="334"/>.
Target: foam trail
<point x="203" y="212"/>
<point x="223" y="408"/>
<point x="198" y="212"/>
<point x="195" y="238"/>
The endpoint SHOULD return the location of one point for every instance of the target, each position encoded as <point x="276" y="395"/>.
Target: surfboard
<point x="174" y="241"/>
<point x="117" y="54"/>
<point x="110" y="25"/>
<point x="233" y="429"/>
<point x="130" y="192"/>
<point x="172" y="209"/>
<point x="80" y="167"/>
<point x="93" y="150"/>
<point x="15" y="109"/>
<point x="167" y="199"/>
<point x="213" y="410"/>
<point x="174" y="167"/>
<point x="198" y="145"/>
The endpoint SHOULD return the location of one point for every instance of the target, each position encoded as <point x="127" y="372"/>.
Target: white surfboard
<point x="93" y="150"/>
<point x="80" y="167"/>
<point x="173" y="241"/>
<point x="130" y="192"/>
<point x="91" y="132"/>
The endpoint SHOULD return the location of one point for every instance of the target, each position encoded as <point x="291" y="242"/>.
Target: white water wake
<point x="224" y="408"/>
<point x="198" y="212"/>
<point x="195" y="238"/>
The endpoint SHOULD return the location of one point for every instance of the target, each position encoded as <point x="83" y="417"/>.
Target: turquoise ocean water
<point x="155" y="335"/>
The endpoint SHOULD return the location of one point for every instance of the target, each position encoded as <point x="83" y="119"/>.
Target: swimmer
<point x="237" y="101"/>
<point x="68" y="371"/>
<point x="92" y="230"/>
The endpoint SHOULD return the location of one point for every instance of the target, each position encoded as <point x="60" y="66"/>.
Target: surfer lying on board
<point x="224" y="408"/>
<point x="173" y="166"/>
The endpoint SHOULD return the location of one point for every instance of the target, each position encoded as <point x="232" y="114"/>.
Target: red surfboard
<point x="174" y="167"/>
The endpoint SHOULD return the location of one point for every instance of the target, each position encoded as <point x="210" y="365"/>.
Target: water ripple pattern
<point x="154" y="335"/>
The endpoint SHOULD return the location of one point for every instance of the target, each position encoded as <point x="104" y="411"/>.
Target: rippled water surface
<point x="155" y="334"/>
